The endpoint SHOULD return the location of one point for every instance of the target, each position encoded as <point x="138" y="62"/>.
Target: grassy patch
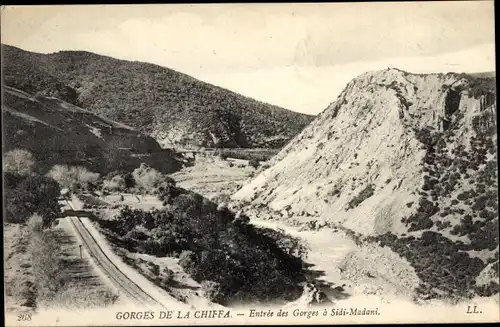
<point x="74" y="295"/>
<point x="45" y="279"/>
<point x="18" y="277"/>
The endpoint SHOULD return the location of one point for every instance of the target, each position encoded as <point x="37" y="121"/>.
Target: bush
<point x="254" y="163"/>
<point x="34" y="195"/>
<point x="247" y="154"/>
<point x="212" y="291"/>
<point x="438" y="262"/>
<point x="74" y="296"/>
<point x="222" y="156"/>
<point x="167" y="276"/>
<point x="488" y="290"/>
<point x="289" y="244"/>
<point x="167" y="192"/>
<point x="362" y="196"/>
<point x="35" y="224"/>
<point x="154" y="268"/>
<point x="11" y="180"/>
<point x="186" y="258"/>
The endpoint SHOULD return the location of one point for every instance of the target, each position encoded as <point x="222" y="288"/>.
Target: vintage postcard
<point x="233" y="164"/>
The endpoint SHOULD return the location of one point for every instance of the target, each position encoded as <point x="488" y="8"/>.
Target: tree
<point x="35" y="195"/>
<point x="11" y="180"/>
<point x="74" y="177"/>
<point x="20" y="162"/>
<point x="116" y="183"/>
<point x="147" y="178"/>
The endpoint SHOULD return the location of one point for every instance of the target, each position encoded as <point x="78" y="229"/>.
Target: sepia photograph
<point x="262" y="164"/>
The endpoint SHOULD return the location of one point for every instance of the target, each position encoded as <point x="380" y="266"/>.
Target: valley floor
<point x="344" y="270"/>
<point x="213" y="178"/>
<point x="330" y="250"/>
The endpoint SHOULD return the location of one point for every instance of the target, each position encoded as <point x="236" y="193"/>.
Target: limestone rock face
<point x="360" y="162"/>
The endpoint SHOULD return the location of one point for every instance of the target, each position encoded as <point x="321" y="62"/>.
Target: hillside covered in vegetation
<point x="176" y="109"/>
<point x="57" y="132"/>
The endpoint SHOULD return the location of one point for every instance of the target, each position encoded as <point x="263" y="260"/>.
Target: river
<point x="327" y="249"/>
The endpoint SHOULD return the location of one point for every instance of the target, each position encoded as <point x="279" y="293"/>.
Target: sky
<point x="298" y="56"/>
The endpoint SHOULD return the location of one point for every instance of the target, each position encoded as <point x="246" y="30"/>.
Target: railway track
<point x="124" y="284"/>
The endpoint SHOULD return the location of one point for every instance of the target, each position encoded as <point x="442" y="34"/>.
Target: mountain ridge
<point x="57" y="132"/>
<point x="173" y="107"/>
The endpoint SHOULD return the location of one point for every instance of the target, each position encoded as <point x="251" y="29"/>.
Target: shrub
<point x="167" y="276"/>
<point x="362" y="196"/>
<point x="127" y="177"/>
<point x="247" y="154"/>
<point x="212" y="291"/>
<point x="35" y="224"/>
<point x="438" y="262"/>
<point x="186" y="258"/>
<point x="167" y="192"/>
<point x="291" y="245"/>
<point x="421" y="219"/>
<point x="74" y="296"/>
<point x="488" y="290"/>
<point x="19" y="161"/>
<point x="154" y="268"/>
<point x="254" y="163"/>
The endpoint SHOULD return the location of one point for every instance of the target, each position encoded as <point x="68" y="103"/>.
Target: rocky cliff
<point x="408" y="160"/>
